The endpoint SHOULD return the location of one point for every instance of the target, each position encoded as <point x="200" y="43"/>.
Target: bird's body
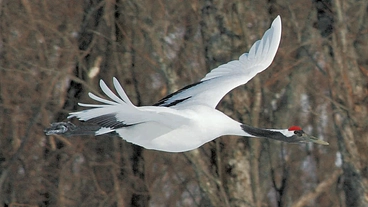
<point x="182" y="130"/>
<point x="186" y="119"/>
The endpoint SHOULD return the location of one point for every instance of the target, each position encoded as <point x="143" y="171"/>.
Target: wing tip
<point x="101" y="81"/>
<point x="115" y="80"/>
<point x="277" y="25"/>
<point x="277" y="19"/>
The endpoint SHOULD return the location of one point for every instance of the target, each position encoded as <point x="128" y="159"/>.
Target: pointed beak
<point x="309" y="138"/>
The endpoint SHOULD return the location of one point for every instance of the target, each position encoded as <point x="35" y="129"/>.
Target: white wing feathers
<point x="216" y="84"/>
<point x="260" y="55"/>
<point x="122" y="104"/>
<point x="120" y="112"/>
<point x="120" y="91"/>
<point x="105" y="114"/>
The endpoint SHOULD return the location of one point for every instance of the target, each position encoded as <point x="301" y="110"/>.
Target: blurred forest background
<point x="52" y="53"/>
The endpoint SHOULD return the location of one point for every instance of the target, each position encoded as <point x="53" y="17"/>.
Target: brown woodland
<point x="52" y="53"/>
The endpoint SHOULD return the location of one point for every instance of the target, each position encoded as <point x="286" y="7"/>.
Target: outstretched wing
<point x="217" y="83"/>
<point x="119" y="112"/>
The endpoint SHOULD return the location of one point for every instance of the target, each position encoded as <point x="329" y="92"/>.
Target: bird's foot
<point x="60" y="128"/>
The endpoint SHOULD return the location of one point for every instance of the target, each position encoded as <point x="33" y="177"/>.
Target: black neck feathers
<point x="266" y="133"/>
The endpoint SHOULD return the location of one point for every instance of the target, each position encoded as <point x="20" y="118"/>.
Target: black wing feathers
<point x="163" y="102"/>
<point x="108" y="121"/>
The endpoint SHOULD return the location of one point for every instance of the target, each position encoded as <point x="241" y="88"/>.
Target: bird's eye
<point x="298" y="132"/>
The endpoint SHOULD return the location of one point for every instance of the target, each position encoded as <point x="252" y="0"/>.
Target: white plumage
<point x="187" y="118"/>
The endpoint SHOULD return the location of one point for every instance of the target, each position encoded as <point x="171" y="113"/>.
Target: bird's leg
<point x="70" y="129"/>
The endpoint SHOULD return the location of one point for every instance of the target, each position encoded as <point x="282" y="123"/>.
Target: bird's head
<point x="298" y="135"/>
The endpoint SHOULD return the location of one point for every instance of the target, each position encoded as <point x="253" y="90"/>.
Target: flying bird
<point x="188" y="118"/>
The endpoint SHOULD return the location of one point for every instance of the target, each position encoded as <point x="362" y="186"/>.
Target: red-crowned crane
<point x="188" y="118"/>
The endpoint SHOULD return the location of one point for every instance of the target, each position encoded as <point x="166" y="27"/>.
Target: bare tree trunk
<point x="350" y="118"/>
